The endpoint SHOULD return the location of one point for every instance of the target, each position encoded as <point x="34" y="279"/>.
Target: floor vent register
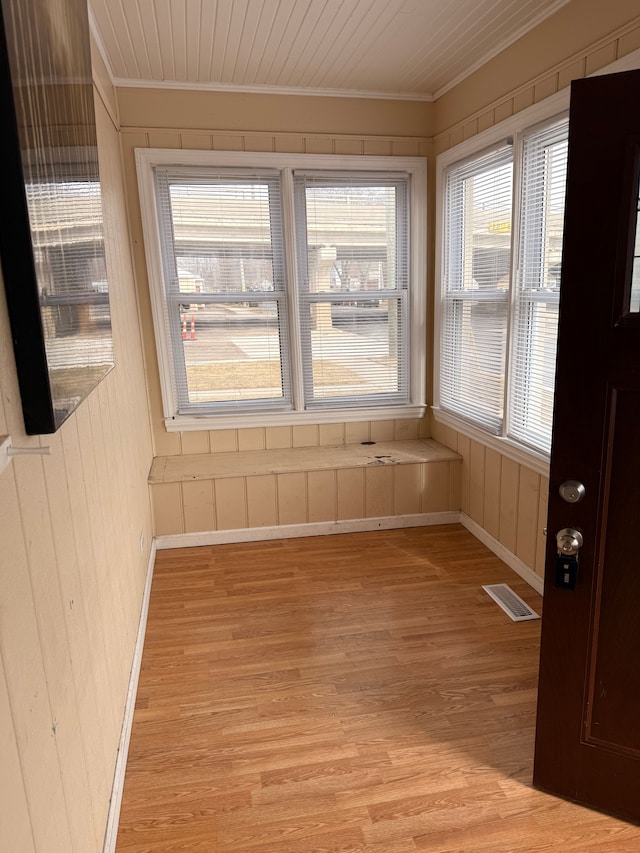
<point x="512" y="604"/>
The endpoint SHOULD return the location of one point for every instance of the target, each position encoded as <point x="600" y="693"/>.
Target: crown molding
<point x="184" y="86"/>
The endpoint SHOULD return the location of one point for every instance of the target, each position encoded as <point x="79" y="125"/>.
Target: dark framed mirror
<point x="51" y="226"/>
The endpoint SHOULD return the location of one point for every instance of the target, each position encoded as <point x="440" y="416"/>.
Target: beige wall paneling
<point x="15" y="821"/>
<point x="85" y="629"/>
<point x="509" y="490"/>
<point x="289" y="144"/>
<point x="451" y="438"/>
<point x="322" y="495"/>
<point x="492" y="481"/>
<point x="251" y="439"/>
<point x="406" y="147"/>
<point x="348" y="146"/>
<point x="307" y="116"/>
<point x="378" y="498"/>
<point x="262" y="501"/>
<point x="221" y="142"/>
<point x="436" y="492"/>
<point x="541" y="539"/>
<point x="194" y="442"/>
<point x="164" y="139"/>
<point x="197" y="141"/>
<point x="439" y="431"/>
<point x="601" y="57"/>
<point x="93" y="628"/>
<point x="259" y="142"/>
<point x="278" y="437"/>
<point x="476" y="481"/>
<point x="166" y="499"/>
<point x="221" y="441"/>
<point x="455" y="486"/>
<point x="350" y="483"/>
<point x="629" y="42"/>
<point x="52" y="617"/>
<point x="464" y="449"/>
<point x="331" y="435"/>
<point x="198" y="507"/>
<point x="292" y="498"/>
<point x="305" y="435"/>
<point x="406" y="428"/>
<point x="407" y="489"/>
<point x="574" y="71"/>
<point x="378" y="147"/>
<point x="382" y="430"/>
<point x="525" y="98"/>
<point x="356" y="432"/>
<point x="503" y="110"/>
<point x="527" y="528"/>
<point x="231" y="503"/>
<point x="26" y="681"/>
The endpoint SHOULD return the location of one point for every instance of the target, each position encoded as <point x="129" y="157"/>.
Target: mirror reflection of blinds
<point x="537" y="288"/>
<point x="353" y="278"/>
<point x="226" y="299"/>
<point x="476" y="277"/>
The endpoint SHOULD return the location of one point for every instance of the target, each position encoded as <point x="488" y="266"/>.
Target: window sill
<point x="538" y="462"/>
<point x="187" y="423"/>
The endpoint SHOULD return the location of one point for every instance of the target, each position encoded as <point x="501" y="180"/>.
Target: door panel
<point x="612" y="715"/>
<point x="588" y="728"/>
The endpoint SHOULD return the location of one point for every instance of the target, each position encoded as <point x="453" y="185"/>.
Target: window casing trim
<point x="287" y="164"/>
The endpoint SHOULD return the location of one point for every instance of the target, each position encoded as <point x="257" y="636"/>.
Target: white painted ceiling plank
<point x="398" y="47"/>
<point x="149" y="27"/>
<point x="165" y="38"/>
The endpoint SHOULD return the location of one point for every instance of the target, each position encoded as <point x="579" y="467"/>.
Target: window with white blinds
<point x="501" y="284"/>
<point x="225" y="297"/>
<point x="353" y="279"/>
<point x="537" y="290"/>
<point x="476" y="277"/>
<point x="284" y="291"/>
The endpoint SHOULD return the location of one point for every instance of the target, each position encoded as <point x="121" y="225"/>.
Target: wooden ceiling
<point x="395" y="48"/>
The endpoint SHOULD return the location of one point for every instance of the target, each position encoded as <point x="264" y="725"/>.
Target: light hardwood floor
<point x="342" y="694"/>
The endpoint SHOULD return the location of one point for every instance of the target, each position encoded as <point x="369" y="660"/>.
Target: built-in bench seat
<point x="303" y="486"/>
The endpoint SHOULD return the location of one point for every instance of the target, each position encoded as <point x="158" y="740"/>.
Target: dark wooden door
<point x="588" y="728"/>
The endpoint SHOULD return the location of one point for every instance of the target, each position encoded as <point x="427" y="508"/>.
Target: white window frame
<point x="514" y="130"/>
<point x="416" y="167"/>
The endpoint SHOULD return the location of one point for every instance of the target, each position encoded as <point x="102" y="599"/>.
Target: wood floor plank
<point x="344" y="694"/>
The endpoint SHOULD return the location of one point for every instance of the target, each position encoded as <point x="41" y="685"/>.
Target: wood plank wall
<point x="72" y="572"/>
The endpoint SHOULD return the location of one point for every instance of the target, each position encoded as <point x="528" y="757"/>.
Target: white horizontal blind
<point x="353" y="271"/>
<point x="225" y="294"/>
<point x="476" y="271"/>
<point x="537" y="290"/>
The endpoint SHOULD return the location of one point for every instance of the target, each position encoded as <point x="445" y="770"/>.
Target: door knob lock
<point x="569" y="541"/>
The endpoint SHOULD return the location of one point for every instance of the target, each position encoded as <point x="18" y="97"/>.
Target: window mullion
<point x="514" y="272"/>
<point x="294" y="356"/>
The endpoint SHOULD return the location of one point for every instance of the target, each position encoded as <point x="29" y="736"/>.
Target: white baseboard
<point x="293" y="531"/>
<point x="505" y="555"/>
<point x="125" y="733"/>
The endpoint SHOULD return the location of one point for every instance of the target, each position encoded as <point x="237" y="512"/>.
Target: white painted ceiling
<point x="398" y="48"/>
